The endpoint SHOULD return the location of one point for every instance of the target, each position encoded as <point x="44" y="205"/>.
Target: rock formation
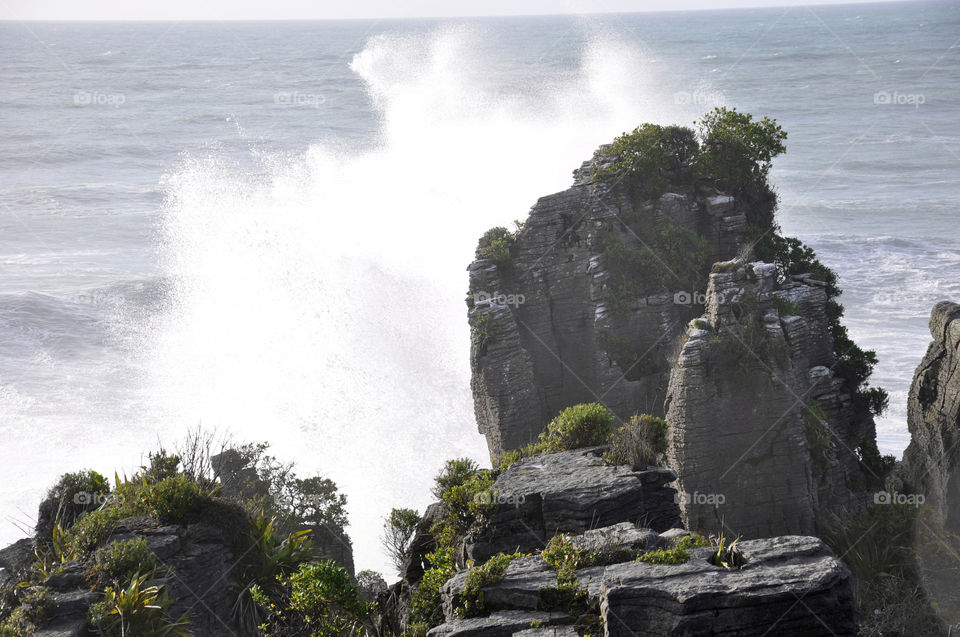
<point x="787" y="586"/>
<point x="763" y="435"/>
<point x="544" y="332"/>
<point x="570" y="492"/>
<point x="931" y="463"/>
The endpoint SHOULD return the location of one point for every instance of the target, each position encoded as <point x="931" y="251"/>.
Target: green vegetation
<point x="819" y="436"/>
<point x="317" y="599"/>
<point x="584" y="425"/>
<point x="678" y="553"/>
<point x="465" y="491"/>
<point x="737" y="150"/>
<point x="398" y="531"/>
<point x="727" y="555"/>
<point x="471" y="603"/>
<point x="33" y="609"/>
<point x="854" y="365"/>
<point x="785" y="307"/>
<point x="740" y="347"/>
<point x="642" y="155"/>
<point x="138" y="608"/>
<point x="270" y="558"/>
<point x="119" y="562"/>
<point x="640" y="443"/>
<point x="664" y="257"/>
<point x="495" y="244"/>
<point x="884" y="546"/>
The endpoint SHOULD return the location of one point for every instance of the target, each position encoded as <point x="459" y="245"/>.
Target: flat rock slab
<point x="519" y="589"/>
<point x="791" y="585"/>
<point x="571" y="492"/>
<point x="500" y="624"/>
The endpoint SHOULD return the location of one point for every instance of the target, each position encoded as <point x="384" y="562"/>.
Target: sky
<point x="340" y="9"/>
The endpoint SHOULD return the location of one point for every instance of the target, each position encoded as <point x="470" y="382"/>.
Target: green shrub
<point x="454" y="473"/>
<point x="639" y="443"/>
<point x="76" y="493"/>
<point x="471" y="501"/>
<point x="678" y="553"/>
<point x="319" y="600"/>
<point x="641" y="156"/>
<point x="93" y="528"/>
<point x="495" y="245"/>
<point x="489" y="573"/>
<point x="668" y="257"/>
<point x="736" y="149"/>
<point x="584" y="425"/>
<point x="172" y="500"/>
<point x="398" y="531"/>
<point x="270" y="557"/>
<point x="425" y="606"/>
<point x="120" y="561"/>
<point x="140" y="609"/>
<point x="34" y="609"/>
<point x="785" y="307"/>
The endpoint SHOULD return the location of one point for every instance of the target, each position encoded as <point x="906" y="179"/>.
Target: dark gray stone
<point x="570" y="492"/>
<point x="499" y="624"/>
<point x="931" y="463"/>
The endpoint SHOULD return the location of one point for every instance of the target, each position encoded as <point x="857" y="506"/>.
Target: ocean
<point x="263" y="228"/>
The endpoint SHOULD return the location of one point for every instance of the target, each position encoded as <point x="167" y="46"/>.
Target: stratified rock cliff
<point x="763" y="435"/>
<point x="551" y="324"/>
<point x="931" y="463"/>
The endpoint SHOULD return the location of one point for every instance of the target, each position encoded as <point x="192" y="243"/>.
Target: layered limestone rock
<point x="763" y="436"/>
<point x="198" y="566"/>
<point x="692" y="598"/>
<point x="931" y="463"/>
<point x="570" y="492"/>
<point x="544" y="332"/>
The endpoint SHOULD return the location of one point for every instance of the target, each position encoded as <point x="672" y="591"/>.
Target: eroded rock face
<point x="931" y="462"/>
<point x="564" y="344"/>
<point x="199" y="568"/>
<point x="788" y="585"/>
<point x="571" y="492"/>
<point x="763" y="436"/>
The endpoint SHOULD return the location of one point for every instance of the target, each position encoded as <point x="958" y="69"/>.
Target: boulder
<point x="570" y="492"/>
<point x="499" y="624"/>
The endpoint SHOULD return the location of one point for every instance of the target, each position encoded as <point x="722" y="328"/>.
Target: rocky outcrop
<point x="763" y="436"/>
<point x="197" y="568"/>
<point x="931" y="463"/>
<point x="788" y="586"/>
<point x="547" y="330"/>
<point x="570" y="492"/>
